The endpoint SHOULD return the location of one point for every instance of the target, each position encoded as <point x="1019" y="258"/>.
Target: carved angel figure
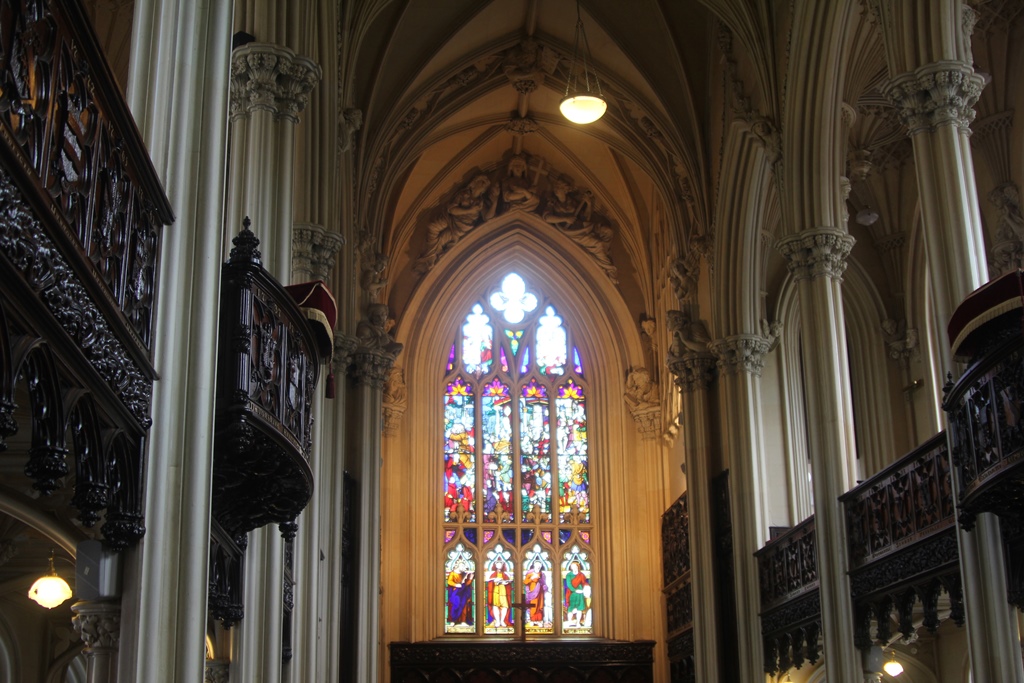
<point x="373" y="332"/>
<point x="471" y="206"/>
<point x="688" y="335"/>
<point x="640" y="388"/>
<point x="371" y="278"/>
<point x="517" y="192"/>
<point x="395" y="392"/>
<point x="571" y="211"/>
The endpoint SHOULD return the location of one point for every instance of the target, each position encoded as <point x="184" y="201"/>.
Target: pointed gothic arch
<point x="608" y="337"/>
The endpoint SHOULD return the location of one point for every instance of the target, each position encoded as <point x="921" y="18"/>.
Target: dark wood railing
<point x="267" y="368"/>
<point x="81" y="210"/>
<point x="675" y="549"/>
<point x="551" y="661"/>
<point x="986" y="415"/>
<point x="790" y="601"/>
<point x="902" y="543"/>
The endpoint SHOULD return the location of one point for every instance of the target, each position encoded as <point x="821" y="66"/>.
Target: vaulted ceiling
<point x="449" y="90"/>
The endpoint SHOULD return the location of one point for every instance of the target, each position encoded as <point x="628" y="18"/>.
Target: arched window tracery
<point x="516" y="472"/>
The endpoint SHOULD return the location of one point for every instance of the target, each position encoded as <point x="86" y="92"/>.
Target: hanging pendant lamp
<point x="892" y="667"/>
<point x="50" y="590"/>
<point x="583" y="101"/>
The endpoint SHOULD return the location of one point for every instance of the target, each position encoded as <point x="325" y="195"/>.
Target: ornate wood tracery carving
<point x="267" y="370"/>
<point x="81" y="210"/>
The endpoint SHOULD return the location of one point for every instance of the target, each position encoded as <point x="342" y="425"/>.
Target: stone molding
<point x="394" y="401"/>
<point x="693" y="371"/>
<point x="314" y="248"/>
<point x="943" y="93"/>
<point x="820" y="252"/>
<point x="98" y="624"/>
<point x="266" y="77"/>
<point x="741" y="353"/>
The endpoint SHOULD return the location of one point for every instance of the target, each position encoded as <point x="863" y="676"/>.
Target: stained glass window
<point x="526" y="495"/>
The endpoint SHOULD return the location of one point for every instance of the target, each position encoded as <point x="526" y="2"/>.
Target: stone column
<point x="817" y="259"/>
<point x="99" y="625"/>
<point x="740" y="361"/>
<point x="693" y="374"/>
<point x="935" y="87"/>
<point x="372" y="361"/>
<point x="270" y="85"/>
<point x="313" y="258"/>
<point x="178" y="93"/>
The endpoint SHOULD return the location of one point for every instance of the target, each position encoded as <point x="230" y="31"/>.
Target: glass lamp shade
<point x="50" y="591"/>
<point x="583" y="108"/>
<point x="892" y="667"/>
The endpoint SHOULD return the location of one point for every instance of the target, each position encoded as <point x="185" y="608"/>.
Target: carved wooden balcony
<point x="985" y="407"/>
<point x="902" y="544"/>
<point x="985" y="404"/>
<point x="267" y="369"/>
<point x="675" y="558"/>
<point x="551" y="661"/>
<point x="790" y="601"/>
<point x="81" y="210"/>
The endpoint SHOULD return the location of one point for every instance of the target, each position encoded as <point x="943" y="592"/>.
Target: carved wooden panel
<point x="81" y="211"/>
<point x="790" y="601"/>
<point x="267" y="370"/>
<point x="592" y="661"/>
<point x="675" y="553"/>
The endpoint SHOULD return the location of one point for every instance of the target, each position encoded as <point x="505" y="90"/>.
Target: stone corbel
<point x="644" y="402"/>
<point x="377" y="350"/>
<point x="693" y="371"/>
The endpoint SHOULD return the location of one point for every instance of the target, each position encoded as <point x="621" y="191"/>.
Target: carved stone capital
<point x="271" y="78"/>
<point x="693" y="371"/>
<point x="943" y="93"/>
<point x="370" y="366"/>
<point x="313" y="250"/>
<point x="344" y="346"/>
<point x="217" y="671"/>
<point x="820" y="252"/>
<point x="741" y="353"/>
<point x="98" y="624"/>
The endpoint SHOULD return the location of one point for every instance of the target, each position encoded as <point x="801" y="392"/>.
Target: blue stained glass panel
<point x="459" y="571"/>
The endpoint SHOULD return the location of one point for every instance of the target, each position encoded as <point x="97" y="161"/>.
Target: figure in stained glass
<point x="537" y="590"/>
<point x="459" y="574"/>
<point x="573" y="474"/>
<point x="459" y="470"/>
<point x="551" y="344"/>
<point x="496" y="415"/>
<point x="577" y="593"/>
<point x="477" y="342"/>
<point x="500" y="589"/>
<point x="534" y="447"/>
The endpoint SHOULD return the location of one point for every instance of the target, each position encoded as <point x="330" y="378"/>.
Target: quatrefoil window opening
<point x="512" y="300"/>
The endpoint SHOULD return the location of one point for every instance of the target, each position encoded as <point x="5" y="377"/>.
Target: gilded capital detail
<point x="98" y="624"/>
<point x="270" y="78"/>
<point x="935" y="95"/>
<point x="820" y="252"/>
<point x="741" y="353"/>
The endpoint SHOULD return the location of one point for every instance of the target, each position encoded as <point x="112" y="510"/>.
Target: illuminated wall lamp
<point x="50" y="590"/>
